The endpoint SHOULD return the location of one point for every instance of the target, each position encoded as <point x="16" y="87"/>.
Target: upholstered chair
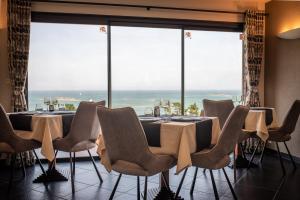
<point x="127" y="146"/>
<point x="218" y="156"/>
<point x="12" y="144"/>
<point x="283" y="133"/>
<point x="84" y="132"/>
<point x="222" y="109"/>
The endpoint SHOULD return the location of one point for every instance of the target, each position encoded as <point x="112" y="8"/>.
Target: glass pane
<point x="146" y="68"/>
<point x="213" y="67"/>
<point x="67" y="63"/>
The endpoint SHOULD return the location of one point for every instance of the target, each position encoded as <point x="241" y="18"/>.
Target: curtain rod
<point x="140" y="6"/>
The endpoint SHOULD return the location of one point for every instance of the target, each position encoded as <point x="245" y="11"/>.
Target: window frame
<point x="182" y="24"/>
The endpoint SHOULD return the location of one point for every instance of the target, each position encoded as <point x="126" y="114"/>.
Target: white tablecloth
<point x="45" y="129"/>
<point x="256" y="121"/>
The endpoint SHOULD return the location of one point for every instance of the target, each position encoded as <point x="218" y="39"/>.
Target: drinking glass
<point x="38" y="107"/>
<point x="148" y="111"/>
<point x="61" y="107"/>
<point x="47" y="102"/>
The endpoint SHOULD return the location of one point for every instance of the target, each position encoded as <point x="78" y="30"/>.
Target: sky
<point x="74" y="57"/>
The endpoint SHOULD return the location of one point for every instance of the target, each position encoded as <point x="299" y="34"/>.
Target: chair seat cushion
<point x="64" y="145"/>
<point x="203" y="159"/>
<point x="277" y="136"/>
<point x="160" y="164"/>
<point x="6" y="148"/>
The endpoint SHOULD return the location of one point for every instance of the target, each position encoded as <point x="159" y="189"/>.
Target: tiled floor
<point x="257" y="183"/>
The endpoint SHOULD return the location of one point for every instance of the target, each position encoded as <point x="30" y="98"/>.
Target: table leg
<point x="164" y="191"/>
<point x="241" y="161"/>
<point x="51" y="175"/>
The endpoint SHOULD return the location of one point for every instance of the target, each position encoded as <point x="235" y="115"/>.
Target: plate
<point x="149" y="119"/>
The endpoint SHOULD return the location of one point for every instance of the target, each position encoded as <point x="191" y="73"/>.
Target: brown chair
<point x="283" y="133"/>
<point x="84" y="132"/>
<point x="127" y="146"/>
<point x="218" y="156"/>
<point x="222" y="109"/>
<point x="12" y="144"/>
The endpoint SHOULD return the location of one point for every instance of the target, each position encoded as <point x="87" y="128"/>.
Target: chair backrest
<point x="220" y="109"/>
<point x="124" y="135"/>
<point x="290" y="121"/>
<point x="231" y="131"/>
<point x="85" y="125"/>
<point x="7" y="134"/>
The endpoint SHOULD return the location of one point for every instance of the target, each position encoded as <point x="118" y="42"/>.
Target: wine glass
<point x="148" y="111"/>
<point x="47" y="102"/>
<point x="38" y="107"/>
<point x="61" y="107"/>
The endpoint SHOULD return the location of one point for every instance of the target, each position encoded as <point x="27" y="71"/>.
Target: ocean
<point x="141" y="101"/>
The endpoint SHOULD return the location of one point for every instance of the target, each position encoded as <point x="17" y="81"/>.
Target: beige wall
<point x="4" y="77"/>
<point x="282" y="71"/>
<point x="231" y="5"/>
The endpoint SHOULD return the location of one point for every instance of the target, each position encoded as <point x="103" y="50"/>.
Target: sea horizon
<point x="140" y="100"/>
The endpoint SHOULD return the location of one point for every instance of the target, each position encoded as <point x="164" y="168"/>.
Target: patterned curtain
<point x="18" y="22"/>
<point x="253" y="53"/>
<point x="19" y="18"/>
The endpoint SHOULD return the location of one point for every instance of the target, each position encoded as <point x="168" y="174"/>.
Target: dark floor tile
<point x="126" y="197"/>
<point x="91" y="193"/>
<point x="60" y="189"/>
<point x="251" y="192"/>
<point x="257" y="183"/>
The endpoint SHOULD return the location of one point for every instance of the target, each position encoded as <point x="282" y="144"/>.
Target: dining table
<point x="179" y="136"/>
<point x="44" y="127"/>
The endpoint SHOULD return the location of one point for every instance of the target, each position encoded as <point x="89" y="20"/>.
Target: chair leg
<point x="74" y="160"/>
<point x="115" y="188"/>
<point x="253" y="154"/>
<point x="180" y="184"/>
<point x="229" y="184"/>
<point x="12" y="166"/>
<point x="40" y="164"/>
<point x="146" y="188"/>
<point x="138" y="192"/>
<point x="194" y="181"/>
<point x="96" y="169"/>
<point x="214" y="184"/>
<point x="234" y="165"/>
<point x="280" y="159"/>
<point x="291" y="157"/>
<point x="23" y="165"/>
<point x="262" y="153"/>
<point x="242" y="150"/>
<point x="72" y="174"/>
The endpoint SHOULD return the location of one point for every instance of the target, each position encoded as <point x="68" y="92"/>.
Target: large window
<point x="146" y="67"/>
<point x="139" y="66"/>
<point x="68" y="63"/>
<point x="213" y="67"/>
